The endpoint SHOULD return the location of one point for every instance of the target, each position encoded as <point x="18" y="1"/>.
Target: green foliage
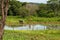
<point x="23" y="12"/>
<point x="51" y="9"/>
<point x="14" y="8"/>
<point x="14" y="20"/>
<point x="53" y="6"/>
<point x="32" y="35"/>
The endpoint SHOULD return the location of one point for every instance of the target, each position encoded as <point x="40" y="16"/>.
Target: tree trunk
<point x="4" y="9"/>
<point x="2" y="19"/>
<point x="1" y="31"/>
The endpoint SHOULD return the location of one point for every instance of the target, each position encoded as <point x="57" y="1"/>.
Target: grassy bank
<point x="32" y="35"/>
<point x="14" y="20"/>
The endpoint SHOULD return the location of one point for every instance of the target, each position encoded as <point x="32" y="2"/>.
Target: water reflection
<point x="33" y="27"/>
<point x="53" y="27"/>
<point x="26" y="27"/>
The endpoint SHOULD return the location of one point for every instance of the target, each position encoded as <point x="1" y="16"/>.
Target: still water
<point x="33" y="27"/>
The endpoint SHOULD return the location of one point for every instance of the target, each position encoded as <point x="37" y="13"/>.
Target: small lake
<point x="33" y="27"/>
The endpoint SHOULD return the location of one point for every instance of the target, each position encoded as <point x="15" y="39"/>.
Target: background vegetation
<point x="51" y="9"/>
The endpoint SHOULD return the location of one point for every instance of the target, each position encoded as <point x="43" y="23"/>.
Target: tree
<point x="54" y="6"/>
<point x="14" y="7"/>
<point x="4" y="9"/>
<point x="42" y="12"/>
<point x="23" y="12"/>
<point x="32" y="9"/>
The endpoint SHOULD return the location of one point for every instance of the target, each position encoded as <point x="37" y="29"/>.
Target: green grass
<point x="14" y="20"/>
<point x="32" y="35"/>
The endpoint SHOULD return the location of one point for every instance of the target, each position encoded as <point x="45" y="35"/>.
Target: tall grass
<point x="14" y="20"/>
<point x="32" y="35"/>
